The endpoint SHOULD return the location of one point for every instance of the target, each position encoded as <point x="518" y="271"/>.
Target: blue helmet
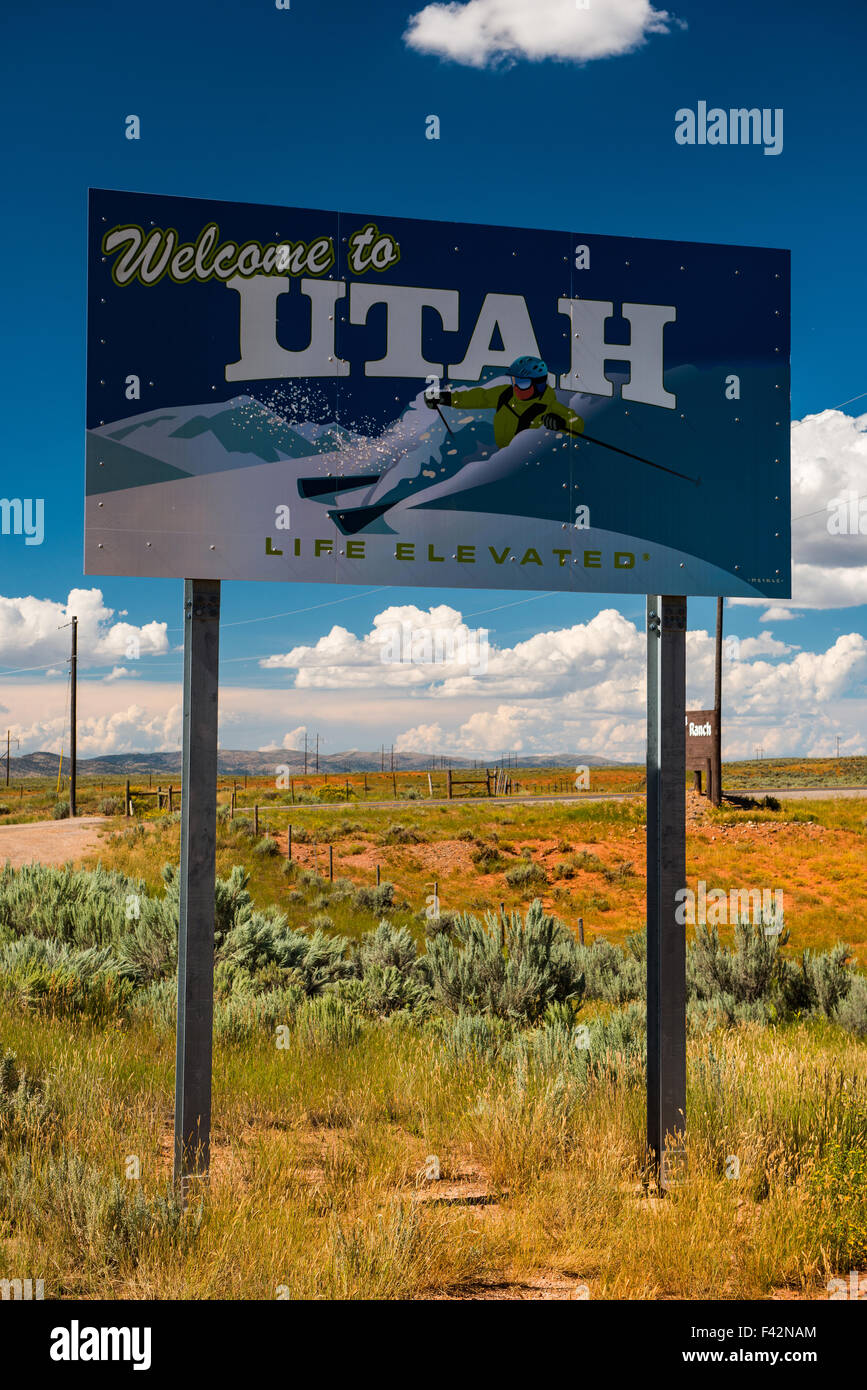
<point x="528" y="369"/>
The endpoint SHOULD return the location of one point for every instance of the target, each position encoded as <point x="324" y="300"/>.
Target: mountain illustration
<point x="189" y="441"/>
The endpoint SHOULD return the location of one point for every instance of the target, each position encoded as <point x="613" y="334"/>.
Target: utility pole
<point x="8" y="731"/>
<point x="73" y="716"/>
<point x="317" y="754"/>
<point x="838" y="753"/>
<point x="305" y="752"/>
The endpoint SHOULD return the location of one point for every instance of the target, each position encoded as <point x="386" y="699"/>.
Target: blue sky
<point x="325" y="106"/>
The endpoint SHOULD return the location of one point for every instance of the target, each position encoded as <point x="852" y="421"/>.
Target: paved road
<point x="782" y="794"/>
<point x="50" y="841"/>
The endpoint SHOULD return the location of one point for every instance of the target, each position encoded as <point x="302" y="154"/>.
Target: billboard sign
<point x="289" y="394"/>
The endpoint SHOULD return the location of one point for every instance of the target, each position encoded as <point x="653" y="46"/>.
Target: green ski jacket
<point x="512" y="415"/>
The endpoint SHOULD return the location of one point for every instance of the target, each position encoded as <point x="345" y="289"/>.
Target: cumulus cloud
<point x="582" y="688"/>
<point x="423" y="738"/>
<point x="134" y="728"/>
<point x="829" y="493"/>
<point x="407" y="647"/>
<point x="485" y="33"/>
<point x="294" y="739"/>
<point x="117" y="673"/>
<point x="32" y="631"/>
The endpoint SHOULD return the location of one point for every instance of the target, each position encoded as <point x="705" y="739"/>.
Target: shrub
<point x="397" y="834"/>
<point x="838" y="1200"/>
<point x="385" y="990"/>
<point x="388" y="945"/>
<point x="537" y="963"/>
<point x="619" y="873"/>
<point x="472" y="1037"/>
<point x="244" y="1015"/>
<point x="85" y="908"/>
<point x="5" y="810"/>
<point x="749" y="974"/>
<point x="266" y="848"/>
<point x="613" y="974"/>
<point x="61" y="810"/>
<point x="583" y="859"/>
<point x="101" y="1220"/>
<point x="377" y="900"/>
<point x="612" y="1048"/>
<point x="851" y="1012"/>
<point x="26" y="1114"/>
<point x="526" y="875"/>
<point x="326" y="1023"/>
<point x="310" y="960"/>
<point x="111" y="806"/>
<point x="443" y="923"/>
<point x="488" y="859"/>
<point x="51" y="977"/>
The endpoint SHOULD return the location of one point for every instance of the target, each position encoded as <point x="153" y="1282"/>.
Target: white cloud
<point x="778" y="614"/>
<point x="32" y="631"/>
<point x="481" y="33"/>
<point x="117" y="674"/>
<point x="294" y="739"/>
<point x="390" y="656"/>
<point x="829" y="462"/>
<point x="424" y="738"/>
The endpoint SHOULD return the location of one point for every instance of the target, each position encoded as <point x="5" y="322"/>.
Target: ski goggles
<point x="522" y="382"/>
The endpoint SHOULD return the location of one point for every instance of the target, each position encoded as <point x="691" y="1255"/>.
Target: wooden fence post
<point x="331" y="862"/>
<point x="255" y="820"/>
<point x="289" y="842"/>
<point x="377" y="875"/>
<point x="581" y="930"/>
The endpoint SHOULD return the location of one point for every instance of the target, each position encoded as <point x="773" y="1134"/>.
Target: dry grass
<point x="319" y="1161"/>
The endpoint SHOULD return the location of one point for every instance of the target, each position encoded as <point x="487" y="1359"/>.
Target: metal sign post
<point x="198" y="867"/>
<point x="666" y="873"/>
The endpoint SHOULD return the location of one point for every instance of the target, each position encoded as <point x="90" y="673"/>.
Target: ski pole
<point x="445" y="421"/>
<point x="661" y="466"/>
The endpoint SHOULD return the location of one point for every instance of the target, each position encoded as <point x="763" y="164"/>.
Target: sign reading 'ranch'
<point x="280" y="393"/>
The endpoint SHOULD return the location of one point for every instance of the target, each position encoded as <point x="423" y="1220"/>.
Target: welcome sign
<point x="282" y="393"/>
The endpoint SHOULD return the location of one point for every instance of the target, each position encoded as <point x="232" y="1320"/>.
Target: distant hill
<point x="262" y="763"/>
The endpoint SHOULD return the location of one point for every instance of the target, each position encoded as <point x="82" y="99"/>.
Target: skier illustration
<point x="529" y="403"/>
<point x="493" y="471"/>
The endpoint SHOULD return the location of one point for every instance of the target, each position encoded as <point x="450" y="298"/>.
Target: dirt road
<point x="50" y="841"/>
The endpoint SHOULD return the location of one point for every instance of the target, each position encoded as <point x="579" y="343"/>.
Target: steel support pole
<point x="73" y="720"/>
<point x="198" y="866"/>
<point x="666" y="873"/>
